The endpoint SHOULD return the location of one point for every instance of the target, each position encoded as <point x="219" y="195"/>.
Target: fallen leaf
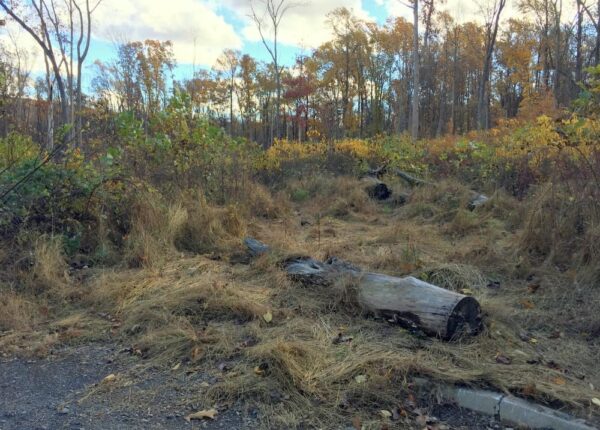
<point x="408" y="267"/>
<point x="110" y="378"/>
<point x="261" y="369"/>
<point x="533" y="287"/>
<point x="196" y="353"/>
<point x="559" y="380"/>
<point x="528" y="390"/>
<point x="466" y="291"/>
<point x="385" y="413"/>
<point x="204" y="384"/>
<point x="177" y="366"/>
<point x="203" y="414"/>
<point x="268" y="317"/>
<point x="596" y="401"/>
<point x="360" y="379"/>
<point x="527" y="304"/>
<point x="503" y="359"/>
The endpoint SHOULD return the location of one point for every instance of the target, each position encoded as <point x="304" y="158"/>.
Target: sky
<point x="201" y="29"/>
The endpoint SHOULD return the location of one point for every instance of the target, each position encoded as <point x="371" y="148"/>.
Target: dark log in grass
<point x="408" y="301"/>
<point x="376" y="189"/>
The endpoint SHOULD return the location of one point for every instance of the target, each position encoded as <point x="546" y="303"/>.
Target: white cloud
<point x="465" y="10"/>
<point x="460" y="10"/>
<point x="304" y="25"/>
<point x="198" y="33"/>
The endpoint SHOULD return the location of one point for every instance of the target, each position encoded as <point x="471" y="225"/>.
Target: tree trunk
<point x="407" y="301"/>
<point x="483" y="106"/>
<point x="416" y="79"/>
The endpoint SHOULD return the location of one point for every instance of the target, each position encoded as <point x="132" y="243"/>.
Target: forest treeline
<point x="359" y="84"/>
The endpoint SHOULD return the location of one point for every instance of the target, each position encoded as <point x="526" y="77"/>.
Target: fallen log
<point x="376" y="189"/>
<point x="411" y="180"/>
<point x="407" y="301"/>
<point x="477" y="200"/>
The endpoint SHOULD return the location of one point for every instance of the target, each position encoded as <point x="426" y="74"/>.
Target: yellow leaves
<point x="358" y="148"/>
<point x="559" y="380"/>
<point x="203" y="414"/>
<point x="596" y="401"/>
<point x="385" y="413"/>
<point x="268" y="317"/>
<point x="109" y="379"/>
<point x="196" y="353"/>
<point x="286" y="150"/>
<point x="360" y="379"/>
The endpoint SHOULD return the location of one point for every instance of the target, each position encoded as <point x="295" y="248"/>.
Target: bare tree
<point x="64" y="43"/>
<point x="275" y="10"/>
<point x="492" y="15"/>
<point x="228" y="63"/>
<point x="414" y="127"/>
<point x="416" y="77"/>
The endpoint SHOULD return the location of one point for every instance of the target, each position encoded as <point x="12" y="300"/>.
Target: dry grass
<point x="201" y="312"/>
<point x="154" y="227"/>
<point x="160" y="229"/>
<point x="17" y="312"/>
<point x="50" y="269"/>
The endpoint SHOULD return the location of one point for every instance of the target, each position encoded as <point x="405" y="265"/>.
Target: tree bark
<point x="407" y="301"/>
<point x="416" y="78"/>
<point x="483" y="120"/>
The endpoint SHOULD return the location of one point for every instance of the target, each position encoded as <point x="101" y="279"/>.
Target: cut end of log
<point x="465" y="319"/>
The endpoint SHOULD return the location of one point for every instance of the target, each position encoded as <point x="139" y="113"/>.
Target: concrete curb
<point x="509" y="409"/>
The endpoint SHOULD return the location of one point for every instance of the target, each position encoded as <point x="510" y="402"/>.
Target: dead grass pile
<point x="159" y="229"/>
<point x="49" y="275"/>
<point x="154" y="227"/>
<point x="501" y="206"/>
<point x="446" y="196"/>
<point x="562" y="229"/>
<point x="259" y="201"/>
<point x="16" y="311"/>
<point x="179" y="311"/>
<point x="208" y="228"/>
<point x="325" y="370"/>
<point x="337" y="196"/>
<point x="454" y="277"/>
